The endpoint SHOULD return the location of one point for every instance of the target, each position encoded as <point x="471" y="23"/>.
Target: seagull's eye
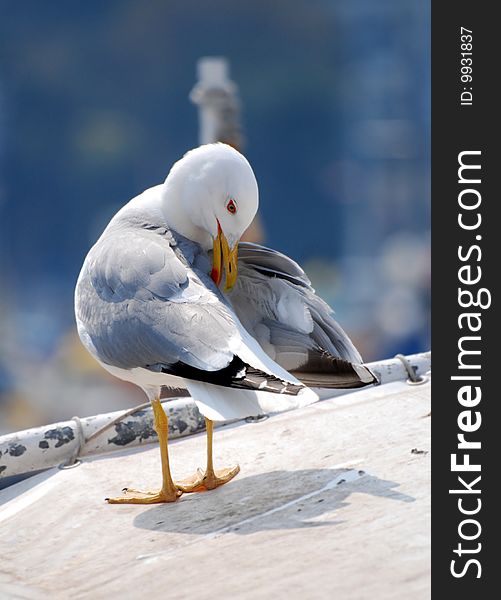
<point x="231" y="207"/>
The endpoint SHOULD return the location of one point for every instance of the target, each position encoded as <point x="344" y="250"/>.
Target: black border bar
<point x="466" y="245"/>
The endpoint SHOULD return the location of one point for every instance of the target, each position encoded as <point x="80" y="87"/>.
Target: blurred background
<point x="94" y="108"/>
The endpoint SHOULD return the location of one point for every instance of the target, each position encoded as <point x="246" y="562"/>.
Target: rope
<point x="413" y="378"/>
<point x="74" y="460"/>
<point x="127" y="413"/>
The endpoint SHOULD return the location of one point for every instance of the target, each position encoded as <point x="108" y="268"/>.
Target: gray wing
<point x="274" y="300"/>
<point x="141" y="301"/>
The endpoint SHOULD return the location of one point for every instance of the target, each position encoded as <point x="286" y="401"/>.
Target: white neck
<point x="177" y="218"/>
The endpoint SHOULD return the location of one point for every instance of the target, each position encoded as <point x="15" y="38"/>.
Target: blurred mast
<point x="219" y="112"/>
<point x="218" y="103"/>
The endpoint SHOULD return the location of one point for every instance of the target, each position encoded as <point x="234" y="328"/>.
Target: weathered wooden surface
<point x="333" y="501"/>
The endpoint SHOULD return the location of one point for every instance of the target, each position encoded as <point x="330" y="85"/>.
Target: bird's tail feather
<point x="340" y="374"/>
<point x="224" y="404"/>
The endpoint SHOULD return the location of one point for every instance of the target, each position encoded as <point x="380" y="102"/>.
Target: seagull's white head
<point x="211" y="197"/>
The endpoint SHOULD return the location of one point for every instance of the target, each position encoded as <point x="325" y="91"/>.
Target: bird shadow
<point x="274" y="500"/>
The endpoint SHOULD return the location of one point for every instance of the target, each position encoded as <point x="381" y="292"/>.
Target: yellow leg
<point x="169" y="491"/>
<point x="211" y="479"/>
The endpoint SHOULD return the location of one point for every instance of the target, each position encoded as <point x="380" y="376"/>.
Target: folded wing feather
<point x="276" y="303"/>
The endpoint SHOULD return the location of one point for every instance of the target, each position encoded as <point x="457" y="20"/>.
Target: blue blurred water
<point x="336" y="104"/>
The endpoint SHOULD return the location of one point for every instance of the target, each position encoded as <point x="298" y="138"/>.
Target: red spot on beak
<point x="215" y="276"/>
<point x="217" y="267"/>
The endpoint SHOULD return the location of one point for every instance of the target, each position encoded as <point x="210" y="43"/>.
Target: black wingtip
<point x="237" y="374"/>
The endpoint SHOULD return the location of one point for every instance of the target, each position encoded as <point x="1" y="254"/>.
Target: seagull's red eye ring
<point x="231" y="207"/>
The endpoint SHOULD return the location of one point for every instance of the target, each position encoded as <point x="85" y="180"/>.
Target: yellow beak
<point x="224" y="258"/>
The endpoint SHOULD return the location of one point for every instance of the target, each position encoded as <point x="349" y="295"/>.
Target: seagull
<point x="168" y="297"/>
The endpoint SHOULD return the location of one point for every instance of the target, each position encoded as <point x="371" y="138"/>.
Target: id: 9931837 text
<point x="466" y="66"/>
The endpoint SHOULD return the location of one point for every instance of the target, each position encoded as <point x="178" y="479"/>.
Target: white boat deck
<point x="332" y="501"/>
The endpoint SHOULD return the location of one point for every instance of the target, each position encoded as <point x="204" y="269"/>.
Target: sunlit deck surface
<point x="332" y="501"/>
